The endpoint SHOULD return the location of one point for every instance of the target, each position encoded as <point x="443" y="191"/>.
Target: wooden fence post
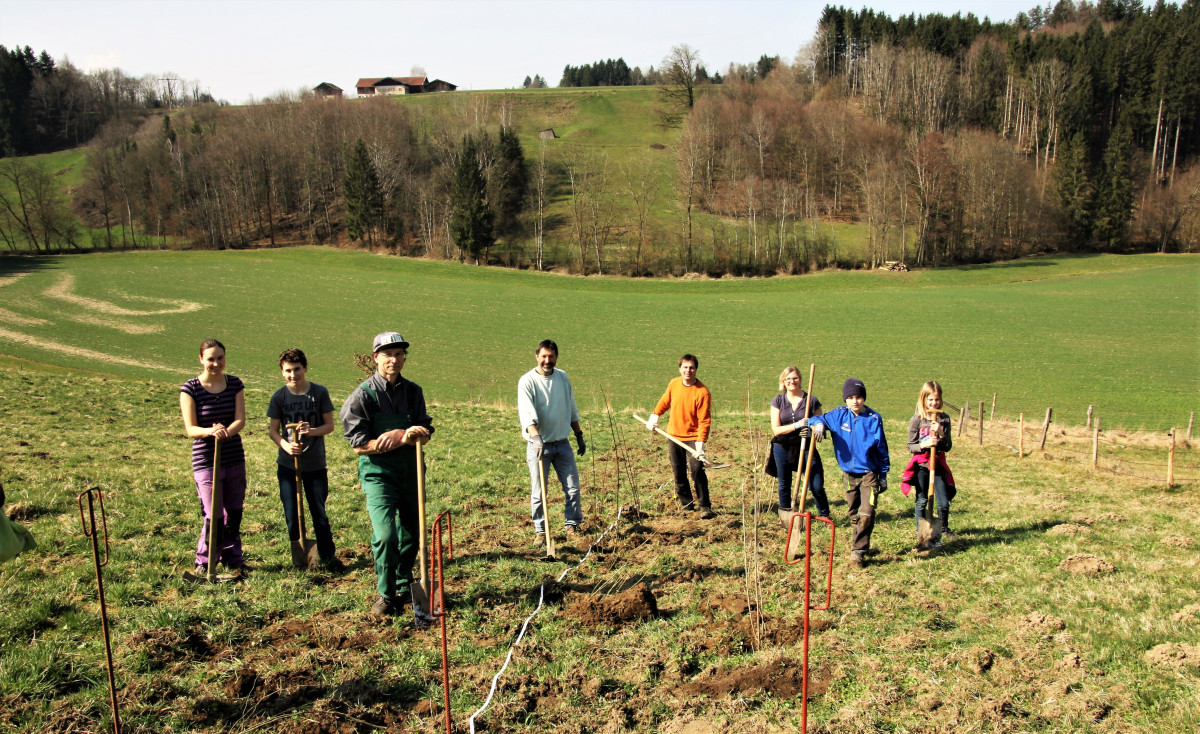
<point x="992" y="417"/>
<point x="1096" y="443"/>
<point x="1021" y="436"/>
<point x="1171" y="462"/>
<point x="1191" y="420"/>
<point x="962" y="417"/>
<point x="980" y="422"/>
<point x="1089" y="423"/>
<point x="1045" y="429"/>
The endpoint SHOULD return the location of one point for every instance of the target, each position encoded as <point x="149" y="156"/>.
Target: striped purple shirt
<point x="214" y="408"/>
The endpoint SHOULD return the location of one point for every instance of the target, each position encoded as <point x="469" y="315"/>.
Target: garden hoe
<point x="806" y="452"/>
<point x="545" y="510"/>
<point x="421" y="589"/>
<point x="705" y="461"/>
<point x="929" y="527"/>
<point x="304" y="551"/>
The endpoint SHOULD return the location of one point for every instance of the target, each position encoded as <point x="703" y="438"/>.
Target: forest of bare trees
<point x="946" y="140"/>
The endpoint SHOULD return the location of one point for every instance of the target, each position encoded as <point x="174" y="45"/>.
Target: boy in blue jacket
<point x="862" y="453"/>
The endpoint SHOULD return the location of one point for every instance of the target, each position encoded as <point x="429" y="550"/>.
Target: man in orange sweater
<point x="691" y="418"/>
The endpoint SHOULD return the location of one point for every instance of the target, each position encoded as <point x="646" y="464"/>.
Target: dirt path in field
<point x="64" y="292"/>
<point x="84" y="353"/>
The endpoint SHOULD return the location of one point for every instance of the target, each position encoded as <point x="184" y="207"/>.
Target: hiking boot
<point x="385" y="607"/>
<point x="706" y="513"/>
<point x="858" y="559"/>
<point x="539" y="540"/>
<point x="333" y="565"/>
<point x="572" y="529"/>
<point x="948" y="534"/>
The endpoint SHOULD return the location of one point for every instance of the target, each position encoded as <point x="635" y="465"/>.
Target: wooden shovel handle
<point x="812" y="371"/>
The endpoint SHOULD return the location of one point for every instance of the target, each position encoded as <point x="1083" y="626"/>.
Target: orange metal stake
<point x="89" y="530"/>
<point x="439" y="607"/>
<point x="808" y="518"/>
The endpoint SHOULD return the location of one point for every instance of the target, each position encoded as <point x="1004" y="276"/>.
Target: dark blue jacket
<point x="858" y="440"/>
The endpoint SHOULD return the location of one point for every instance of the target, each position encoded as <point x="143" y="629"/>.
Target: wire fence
<point x="1167" y="458"/>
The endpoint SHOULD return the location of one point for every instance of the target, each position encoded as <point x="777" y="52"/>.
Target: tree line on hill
<point x="950" y="139"/>
<point x="47" y="105"/>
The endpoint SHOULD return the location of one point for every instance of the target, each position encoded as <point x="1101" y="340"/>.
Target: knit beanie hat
<point x="854" y="386"/>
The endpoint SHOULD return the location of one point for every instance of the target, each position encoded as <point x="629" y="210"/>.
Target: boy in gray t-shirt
<point x="306" y="403"/>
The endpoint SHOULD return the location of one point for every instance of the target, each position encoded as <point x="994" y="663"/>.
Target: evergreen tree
<point x="1074" y="190"/>
<point x="1114" y="192"/>
<point x="510" y="184"/>
<point x="364" y="196"/>
<point x="470" y="217"/>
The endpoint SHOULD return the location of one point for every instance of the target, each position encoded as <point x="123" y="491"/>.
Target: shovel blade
<point x="304" y="555"/>
<point x="928" y="530"/>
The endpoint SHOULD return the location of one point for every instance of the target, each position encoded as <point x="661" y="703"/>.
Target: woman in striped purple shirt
<point x="214" y="407"/>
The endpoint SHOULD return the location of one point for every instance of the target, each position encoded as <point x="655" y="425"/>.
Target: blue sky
<point x="238" y="49"/>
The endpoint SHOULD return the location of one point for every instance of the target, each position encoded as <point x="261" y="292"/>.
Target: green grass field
<point x="990" y="634"/>
<point x="1115" y="332"/>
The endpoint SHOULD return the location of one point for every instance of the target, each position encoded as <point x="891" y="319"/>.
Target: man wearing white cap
<point x="384" y="420"/>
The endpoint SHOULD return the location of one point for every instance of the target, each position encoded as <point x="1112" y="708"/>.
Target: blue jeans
<point x="816" y="480"/>
<point x="316" y="490"/>
<point x="561" y="456"/>
<point x="921" y="485"/>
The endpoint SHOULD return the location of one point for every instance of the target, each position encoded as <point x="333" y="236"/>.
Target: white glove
<point x="652" y="422"/>
<point x="799" y="424"/>
<point x="700" y="450"/>
<point x="818" y="430"/>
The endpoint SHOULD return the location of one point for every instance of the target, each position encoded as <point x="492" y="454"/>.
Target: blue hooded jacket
<point x="858" y="440"/>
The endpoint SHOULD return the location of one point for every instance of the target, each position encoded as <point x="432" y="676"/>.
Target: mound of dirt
<point x="628" y="606"/>
<point x="1187" y="614"/>
<point x="1093" y="519"/>
<point x="163" y="646"/>
<point x="1042" y="623"/>
<point x="1175" y="655"/>
<point x="1176" y="541"/>
<point x="735" y="604"/>
<point x="1071" y="661"/>
<point x="1086" y="563"/>
<point x="1069" y="528"/>
<point x="780" y="678"/>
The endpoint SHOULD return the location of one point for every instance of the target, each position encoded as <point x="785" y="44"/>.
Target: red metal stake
<point x="439" y="608"/>
<point x="89" y="531"/>
<point x="808" y="518"/>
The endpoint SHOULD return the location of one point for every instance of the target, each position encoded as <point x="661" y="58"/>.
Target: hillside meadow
<point x="613" y="129"/>
<point x="1116" y="332"/>
<point x="1067" y="602"/>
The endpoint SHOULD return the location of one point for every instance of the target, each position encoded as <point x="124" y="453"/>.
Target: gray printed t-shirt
<point x="312" y="407"/>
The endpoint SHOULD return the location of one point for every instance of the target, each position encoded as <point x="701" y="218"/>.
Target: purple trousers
<point x="233" y="495"/>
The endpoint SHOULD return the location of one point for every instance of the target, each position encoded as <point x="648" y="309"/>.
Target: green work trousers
<point x="390" y="484"/>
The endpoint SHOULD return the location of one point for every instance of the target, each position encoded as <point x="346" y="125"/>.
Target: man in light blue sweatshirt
<point x="546" y="407"/>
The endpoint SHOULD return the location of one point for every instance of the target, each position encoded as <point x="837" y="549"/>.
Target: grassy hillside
<point x="619" y="125"/>
<point x="1111" y="331"/>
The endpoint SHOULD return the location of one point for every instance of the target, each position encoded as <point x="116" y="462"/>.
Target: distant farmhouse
<point x="325" y="90"/>
<point x="371" y="86"/>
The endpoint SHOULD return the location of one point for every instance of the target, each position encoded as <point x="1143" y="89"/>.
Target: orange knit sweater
<point x="691" y="410"/>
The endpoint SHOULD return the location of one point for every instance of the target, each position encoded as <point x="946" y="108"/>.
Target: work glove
<point x="799" y="424"/>
<point x="804" y="431"/>
<point x="928" y="441"/>
<point x="818" y="430"/>
<point x="700" y="451"/>
<point x="652" y="422"/>
<point x="580" y="443"/>
<point x="538" y="444"/>
<point x="882" y="483"/>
